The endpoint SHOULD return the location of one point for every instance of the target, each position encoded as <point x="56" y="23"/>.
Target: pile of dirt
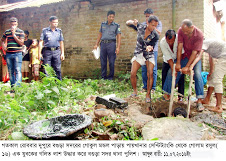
<point x="173" y="128"/>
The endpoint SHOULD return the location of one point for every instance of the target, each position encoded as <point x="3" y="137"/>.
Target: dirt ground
<point x="160" y="108"/>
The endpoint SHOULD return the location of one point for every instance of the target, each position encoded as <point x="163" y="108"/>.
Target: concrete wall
<point x="212" y="28"/>
<point x="80" y="22"/>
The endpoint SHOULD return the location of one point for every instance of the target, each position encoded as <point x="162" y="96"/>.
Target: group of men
<point x="185" y="49"/>
<point x="51" y="48"/>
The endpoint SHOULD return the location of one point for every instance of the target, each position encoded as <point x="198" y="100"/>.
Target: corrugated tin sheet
<point x="38" y="3"/>
<point x="28" y="3"/>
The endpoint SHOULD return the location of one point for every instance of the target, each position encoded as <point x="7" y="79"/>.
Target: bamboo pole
<point x="172" y="91"/>
<point x="190" y="92"/>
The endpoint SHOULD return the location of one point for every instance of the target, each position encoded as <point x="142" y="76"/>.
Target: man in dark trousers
<point x="53" y="51"/>
<point x="108" y="34"/>
<point x="15" y="41"/>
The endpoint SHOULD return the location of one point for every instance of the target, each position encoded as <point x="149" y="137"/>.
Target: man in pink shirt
<point x="191" y="39"/>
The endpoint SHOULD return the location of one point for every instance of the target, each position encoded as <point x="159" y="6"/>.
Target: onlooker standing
<point x="216" y="49"/>
<point x="26" y="57"/>
<point x="53" y="52"/>
<point x="15" y="41"/>
<point x="168" y="45"/>
<point x="148" y="12"/>
<point x="108" y="32"/>
<point x="190" y="38"/>
<point x="35" y="62"/>
<point x="5" y="73"/>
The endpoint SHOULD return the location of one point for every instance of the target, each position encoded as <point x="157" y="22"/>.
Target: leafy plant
<point x="51" y="97"/>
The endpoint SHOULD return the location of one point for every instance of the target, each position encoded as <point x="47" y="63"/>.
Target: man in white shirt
<point x="168" y="45"/>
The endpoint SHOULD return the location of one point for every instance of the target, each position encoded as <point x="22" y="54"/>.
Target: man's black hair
<point x="148" y="11"/>
<point x="26" y="32"/>
<point x="111" y="13"/>
<point x="170" y="34"/>
<point x="53" y="18"/>
<point x="153" y="18"/>
<point x="180" y="111"/>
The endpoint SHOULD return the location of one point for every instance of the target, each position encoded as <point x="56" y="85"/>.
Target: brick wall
<point x="80" y="22"/>
<point x="2" y="2"/>
<point x="185" y="9"/>
<point x="212" y="28"/>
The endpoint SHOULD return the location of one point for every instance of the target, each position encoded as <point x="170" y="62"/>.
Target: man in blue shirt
<point x="108" y="32"/>
<point x="148" y="12"/>
<point x="53" y="51"/>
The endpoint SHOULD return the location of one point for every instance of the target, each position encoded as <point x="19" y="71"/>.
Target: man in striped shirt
<point x="15" y="40"/>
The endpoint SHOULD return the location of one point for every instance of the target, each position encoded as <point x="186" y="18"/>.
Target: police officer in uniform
<point x="108" y="32"/>
<point x="53" y="50"/>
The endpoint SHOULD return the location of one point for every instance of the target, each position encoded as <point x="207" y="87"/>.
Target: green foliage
<point x="122" y="128"/>
<point x="94" y="74"/>
<point x="159" y="79"/>
<point x="51" y="97"/>
<point x="12" y="113"/>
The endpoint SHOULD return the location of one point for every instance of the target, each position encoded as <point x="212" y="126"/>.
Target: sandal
<point x="200" y="107"/>
<point x="133" y="95"/>
<point x="162" y="98"/>
<point x="148" y="100"/>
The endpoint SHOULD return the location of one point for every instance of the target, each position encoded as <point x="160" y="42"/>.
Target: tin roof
<point x="38" y="3"/>
<point x="24" y="4"/>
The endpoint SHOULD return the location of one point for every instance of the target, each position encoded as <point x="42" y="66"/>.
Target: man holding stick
<point x="190" y="38"/>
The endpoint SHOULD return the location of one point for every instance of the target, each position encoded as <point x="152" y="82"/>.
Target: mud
<point x="159" y="109"/>
<point x="212" y="119"/>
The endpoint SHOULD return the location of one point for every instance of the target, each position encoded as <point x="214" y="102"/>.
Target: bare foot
<point x="216" y="109"/>
<point x="207" y="102"/>
<point x="148" y="95"/>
